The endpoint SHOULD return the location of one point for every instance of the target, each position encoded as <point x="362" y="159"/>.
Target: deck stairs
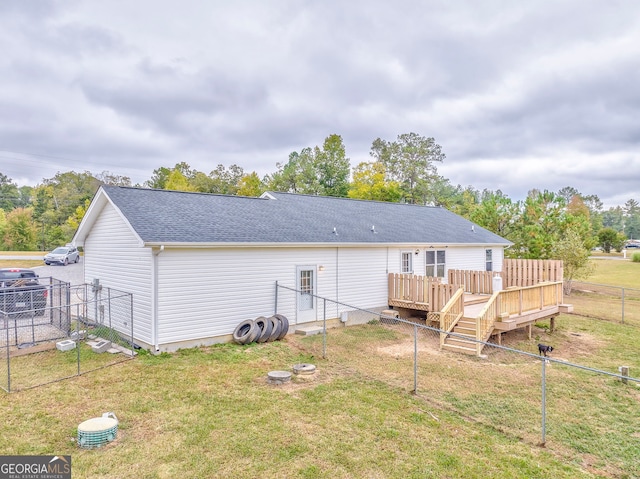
<point x="463" y="335"/>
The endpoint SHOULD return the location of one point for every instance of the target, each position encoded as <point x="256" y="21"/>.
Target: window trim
<point x="488" y="259"/>
<point x="409" y="255"/>
<point x="436" y="265"/>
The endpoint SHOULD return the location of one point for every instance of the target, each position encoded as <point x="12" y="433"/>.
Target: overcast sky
<point x="519" y="94"/>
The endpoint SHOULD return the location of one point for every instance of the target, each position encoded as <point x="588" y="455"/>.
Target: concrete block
<point x="309" y="330"/>
<point x="66" y="345"/>
<point x="101" y="346"/>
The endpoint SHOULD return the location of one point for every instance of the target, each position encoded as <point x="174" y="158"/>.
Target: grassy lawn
<point x="21" y="263"/>
<point x="210" y="413"/>
<point x="614" y="272"/>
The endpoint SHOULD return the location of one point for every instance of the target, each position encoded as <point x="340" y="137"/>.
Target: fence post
<point x="544" y="403"/>
<point x="8" y="359"/>
<point x="324" y="328"/>
<point x="415" y="359"/>
<point x="78" y="339"/>
<point x="622" y="305"/>
<point x="275" y="307"/>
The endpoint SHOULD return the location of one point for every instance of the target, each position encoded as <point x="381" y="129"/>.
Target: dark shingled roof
<point x="162" y="216"/>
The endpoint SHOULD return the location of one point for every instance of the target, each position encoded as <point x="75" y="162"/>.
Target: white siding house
<point x="199" y="264"/>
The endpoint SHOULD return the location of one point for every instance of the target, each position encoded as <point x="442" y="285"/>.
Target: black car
<point x="20" y="291"/>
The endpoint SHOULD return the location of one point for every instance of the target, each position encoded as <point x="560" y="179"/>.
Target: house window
<point x="407" y="262"/>
<point x="488" y="259"/>
<point x="435" y="261"/>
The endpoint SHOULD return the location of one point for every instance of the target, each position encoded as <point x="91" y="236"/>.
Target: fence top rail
<point x="574" y="281"/>
<point x="537" y="285"/>
<point x="493" y="345"/>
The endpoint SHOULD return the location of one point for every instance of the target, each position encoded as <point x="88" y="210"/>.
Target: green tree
<point x="411" y="161"/>
<point x="225" y="181"/>
<point x="3" y="227"/>
<point x="573" y="252"/>
<point x="613" y="218"/>
<point x="159" y="178"/>
<point x="74" y="220"/>
<point x="178" y="182"/>
<point x="496" y="212"/>
<point x="55" y="200"/>
<point x="250" y="185"/>
<point x="609" y="238"/>
<point x="298" y="175"/>
<point x="9" y="193"/>
<point x="333" y="167"/>
<point x="20" y="230"/>
<point x="370" y="183"/>
<point x="632" y="219"/>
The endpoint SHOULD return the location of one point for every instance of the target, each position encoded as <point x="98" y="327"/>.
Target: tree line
<point x="400" y="170"/>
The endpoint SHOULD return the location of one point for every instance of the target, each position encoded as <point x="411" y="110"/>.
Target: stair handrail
<point x="485" y="320"/>
<point x="451" y="314"/>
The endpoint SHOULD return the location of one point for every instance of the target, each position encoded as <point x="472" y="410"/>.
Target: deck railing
<point x="475" y="282"/>
<point x="515" y="301"/>
<point x="515" y="272"/>
<point x="528" y="272"/>
<point x="451" y="313"/>
<point x="424" y="293"/>
<point x="485" y="320"/>
<point x="530" y="298"/>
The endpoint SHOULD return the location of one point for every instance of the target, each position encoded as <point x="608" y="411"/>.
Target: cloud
<point x="520" y="95"/>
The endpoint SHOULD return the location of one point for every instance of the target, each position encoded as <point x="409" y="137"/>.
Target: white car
<point x="63" y="255"/>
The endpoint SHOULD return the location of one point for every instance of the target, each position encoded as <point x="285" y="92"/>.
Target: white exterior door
<point x="305" y="299"/>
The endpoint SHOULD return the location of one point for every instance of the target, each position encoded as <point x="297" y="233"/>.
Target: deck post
<point x="552" y="324"/>
<point x="529" y="330"/>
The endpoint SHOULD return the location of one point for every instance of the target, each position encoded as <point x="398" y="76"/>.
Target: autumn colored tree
<point x="20" y="230"/>
<point x="370" y="183"/>
<point x="250" y="185"/>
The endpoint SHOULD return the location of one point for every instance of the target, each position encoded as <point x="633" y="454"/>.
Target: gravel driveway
<point x="72" y="273"/>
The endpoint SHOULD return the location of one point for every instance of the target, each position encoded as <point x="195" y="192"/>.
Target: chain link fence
<point x="582" y="412"/>
<point x="78" y="329"/>
<point x="601" y="301"/>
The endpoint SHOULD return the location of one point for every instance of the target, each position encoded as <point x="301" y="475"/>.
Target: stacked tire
<point x="261" y="329"/>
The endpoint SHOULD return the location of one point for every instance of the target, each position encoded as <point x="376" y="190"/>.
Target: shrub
<point x="636" y="258"/>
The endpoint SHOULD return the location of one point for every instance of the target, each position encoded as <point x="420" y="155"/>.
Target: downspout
<point x="154" y="301"/>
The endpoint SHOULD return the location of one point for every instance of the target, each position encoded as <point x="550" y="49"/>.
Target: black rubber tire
<point x="66" y="261"/>
<point x="245" y="332"/>
<point x="266" y="326"/>
<point x="77" y="259"/>
<point x="277" y="328"/>
<point x="284" y="322"/>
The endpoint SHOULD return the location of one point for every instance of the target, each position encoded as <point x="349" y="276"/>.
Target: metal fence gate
<point x="80" y="328"/>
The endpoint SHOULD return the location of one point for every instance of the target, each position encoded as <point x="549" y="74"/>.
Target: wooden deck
<point x="469" y="319"/>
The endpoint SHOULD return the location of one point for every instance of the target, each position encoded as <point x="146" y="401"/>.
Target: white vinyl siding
<point x="113" y="255"/>
<point x="222" y="287"/>
<point x="362" y="278"/>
